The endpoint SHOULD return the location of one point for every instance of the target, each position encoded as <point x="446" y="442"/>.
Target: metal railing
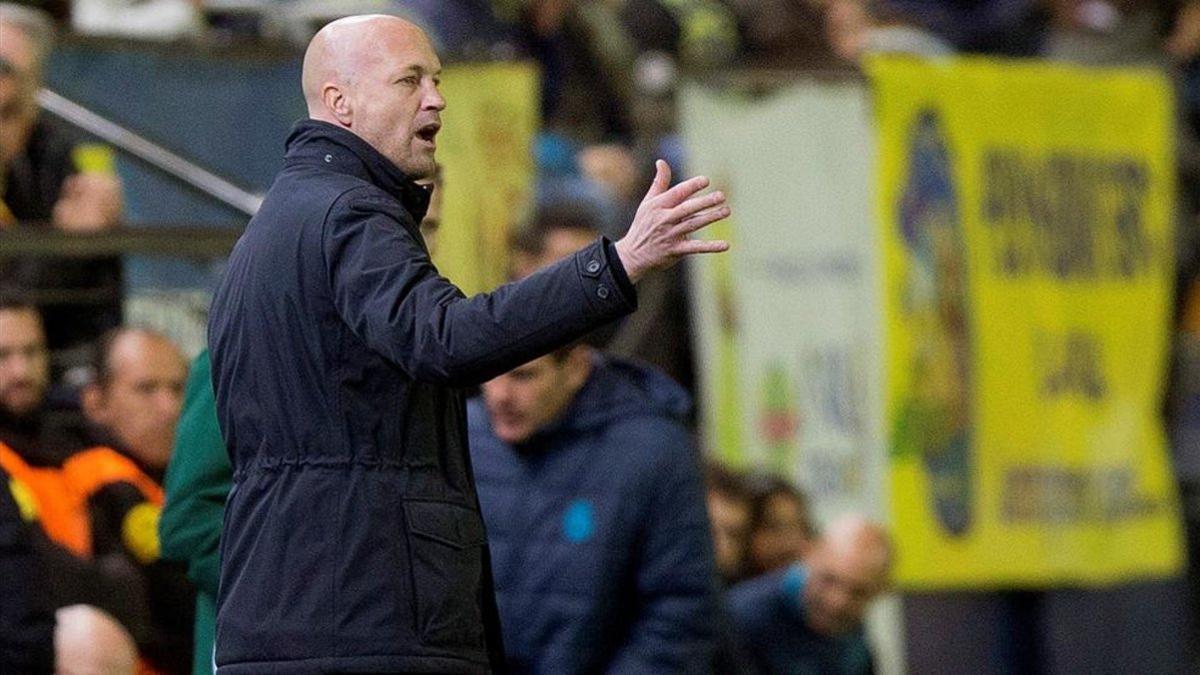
<point x="188" y="241"/>
<point x="211" y="184"/>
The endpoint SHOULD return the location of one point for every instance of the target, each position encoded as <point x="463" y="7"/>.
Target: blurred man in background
<point x="591" y="490"/>
<point x="132" y="405"/>
<point x="657" y="334"/>
<point x="34" y="637"/>
<point x="729" y="508"/>
<point x="807" y="618"/>
<point x="98" y="510"/>
<point x="780" y="531"/>
<point x="556" y="231"/>
<point x="135" y="396"/>
<point x="48" y="180"/>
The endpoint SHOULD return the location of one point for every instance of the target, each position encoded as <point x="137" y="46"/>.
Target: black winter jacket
<point x="353" y="539"/>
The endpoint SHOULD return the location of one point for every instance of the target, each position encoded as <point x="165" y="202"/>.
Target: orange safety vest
<point x="62" y="493"/>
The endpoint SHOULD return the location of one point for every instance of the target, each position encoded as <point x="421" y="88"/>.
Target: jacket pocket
<point x="446" y="553"/>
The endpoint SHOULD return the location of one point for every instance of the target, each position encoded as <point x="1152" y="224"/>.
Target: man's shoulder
<point x="757" y="600"/>
<point x="307" y="186"/>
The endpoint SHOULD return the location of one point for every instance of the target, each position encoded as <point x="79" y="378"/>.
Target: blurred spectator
<point x="49" y="180"/>
<point x="59" y="10"/>
<point x="1183" y="39"/>
<point x="135" y="397"/>
<point x="729" y="515"/>
<point x="34" y="638"/>
<point x="807" y="618"/>
<point x="132" y="405"/>
<point x="198" y="483"/>
<point x="24" y="380"/>
<point x="555" y="232"/>
<point x="145" y="19"/>
<point x="586" y="60"/>
<point x="87" y="641"/>
<point x="591" y="490"/>
<point x="780" y="32"/>
<point x="1123" y="32"/>
<point x="1005" y="27"/>
<point x="729" y="511"/>
<point x="1183" y="425"/>
<point x="614" y="167"/>
<point x="561" y="180"/>
<point x="658" y="333"/>
<point x="856" y="28"/>
<point x="98" y="510"/>
<point x="780" y="531"/>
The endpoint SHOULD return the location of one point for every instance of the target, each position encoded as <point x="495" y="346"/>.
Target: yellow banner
<point x="485" y="150"/>
<point x="1026" y="215"/>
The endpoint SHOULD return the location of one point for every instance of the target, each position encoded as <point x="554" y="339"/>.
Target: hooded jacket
<point x="352" y="538"/>
<point x="599" y="533"/>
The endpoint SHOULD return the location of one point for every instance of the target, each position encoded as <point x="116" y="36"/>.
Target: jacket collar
<point x="340" y="150"/>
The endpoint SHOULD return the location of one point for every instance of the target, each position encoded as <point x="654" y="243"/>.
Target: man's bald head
<point x="848" y="568"/>
<point x="26" y="38"/>
<point x="377" y="76"/>
<point x="856" y="537"/>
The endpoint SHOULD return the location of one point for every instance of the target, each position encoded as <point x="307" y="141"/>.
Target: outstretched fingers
<point x="695" y="205"/>
<point x="694" y="246"/>
<point x="662" y="179"/>
<point x="682" y="192"/>
<point x="701" y="220"/>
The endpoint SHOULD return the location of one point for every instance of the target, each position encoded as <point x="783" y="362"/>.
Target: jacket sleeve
<point x="197" y="483"/>
<point x="675" y="630"/>
<point x="26" y="619"/>
<point x="389" y="293"/>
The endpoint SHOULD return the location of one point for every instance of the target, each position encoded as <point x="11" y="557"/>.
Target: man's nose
<point x="501" y="394"/>
<point x="19" y="365"/>
<point x="840" y="601"/>
<point x="434" y="99"/>
<point x="168" y="402"/>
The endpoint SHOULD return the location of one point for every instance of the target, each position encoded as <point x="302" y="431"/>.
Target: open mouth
<point x="429" y="132"/>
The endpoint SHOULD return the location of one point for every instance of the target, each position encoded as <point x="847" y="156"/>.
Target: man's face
<point x="840" y="587"/>
<point x="524" y="400"/>
<point x="18" y="110"/>
<point x="782" y="537"/>
<point x="24" y="362"/>
<point x="558" y="244"/>
<point x="397" y="105"/>
<point x="141" y="401"/>
<point x="731" y="527"/>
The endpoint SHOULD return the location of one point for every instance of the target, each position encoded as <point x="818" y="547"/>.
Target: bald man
<point x="353" y="540"/>
<point x="133" y="404"/>
<point x="807" y="618"/>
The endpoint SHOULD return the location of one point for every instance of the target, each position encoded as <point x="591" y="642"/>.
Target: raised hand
<point x="661" y="230"/>
<point x="90" y="202"/>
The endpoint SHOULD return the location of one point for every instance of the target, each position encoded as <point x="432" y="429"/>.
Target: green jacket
<point x="197" y="483"/>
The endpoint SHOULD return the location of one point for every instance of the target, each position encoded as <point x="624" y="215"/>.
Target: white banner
<point x="788" y="322"/>
<point x="797" y="302"/>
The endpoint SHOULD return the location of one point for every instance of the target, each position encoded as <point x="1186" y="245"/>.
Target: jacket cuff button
<point x="602" y="292"/>
<point x="593" y="266"/>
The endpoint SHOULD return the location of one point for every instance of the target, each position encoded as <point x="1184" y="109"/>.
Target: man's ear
<point x="91" y="400"/>
<point x="338" y="103"/>
<point x="579" y="366"/>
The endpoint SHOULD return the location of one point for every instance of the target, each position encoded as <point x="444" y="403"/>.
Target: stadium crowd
<point x="616" y="545"/>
